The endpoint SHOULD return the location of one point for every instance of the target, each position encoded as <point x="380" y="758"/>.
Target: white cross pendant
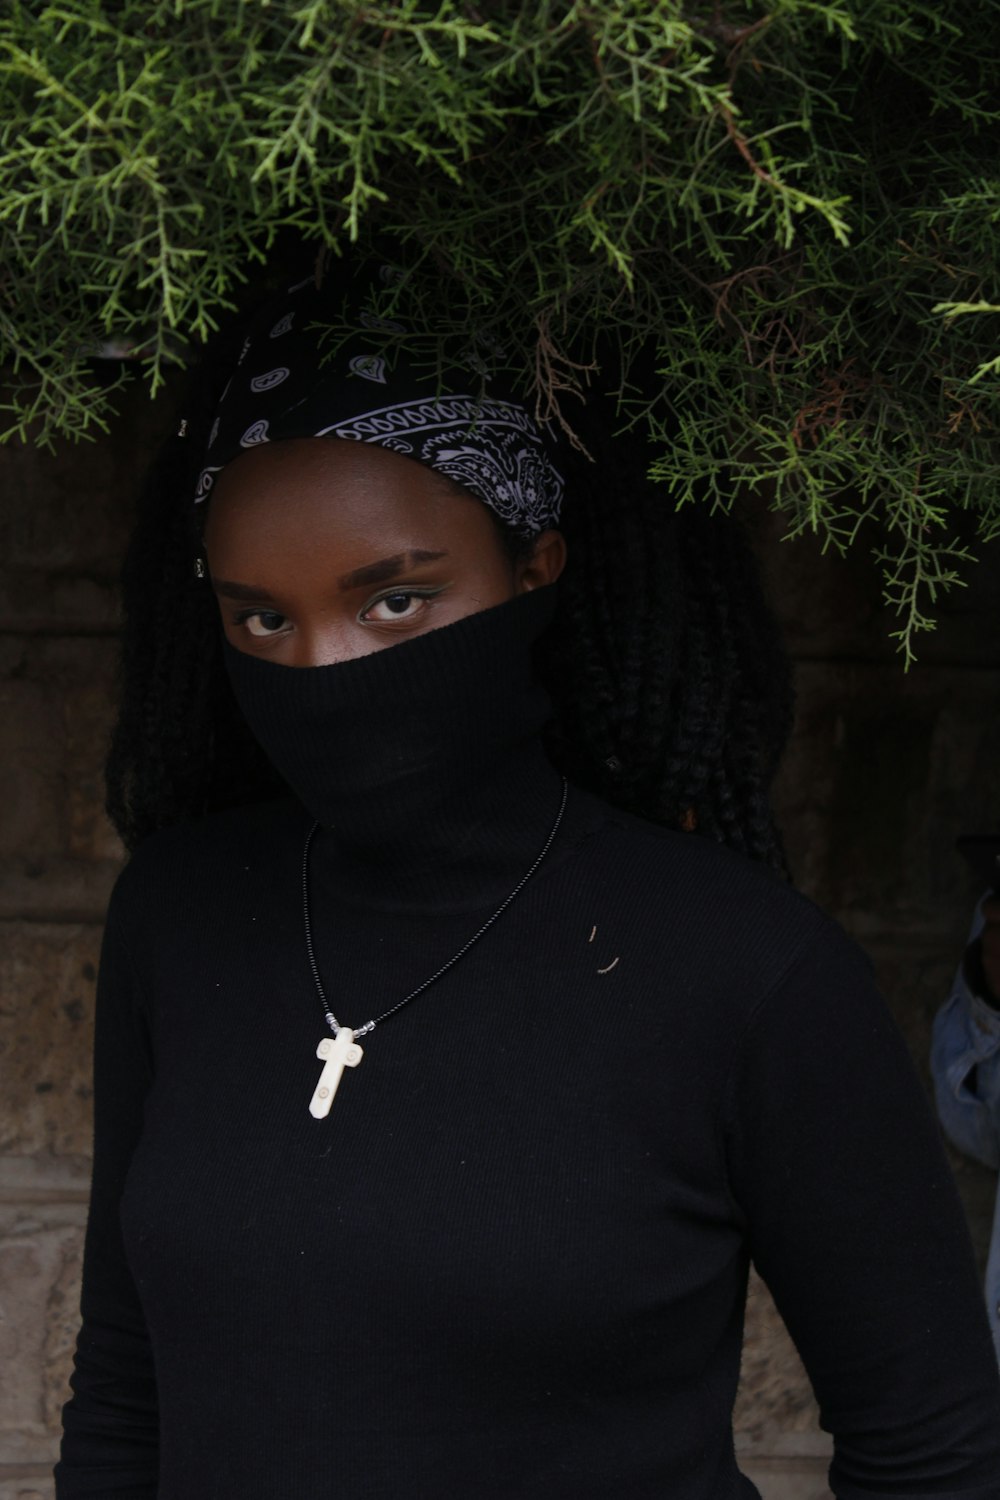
<point x="338" y="1053"/>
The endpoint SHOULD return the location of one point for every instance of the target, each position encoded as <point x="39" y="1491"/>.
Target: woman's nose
<point x="326" y="644"/>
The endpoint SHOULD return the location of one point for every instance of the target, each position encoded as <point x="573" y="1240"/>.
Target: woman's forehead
<point x="322" y="492"/>
<point x="316" y="469"/>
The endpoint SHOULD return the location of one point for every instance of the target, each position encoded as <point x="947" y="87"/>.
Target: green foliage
<point x="798" y="201"/>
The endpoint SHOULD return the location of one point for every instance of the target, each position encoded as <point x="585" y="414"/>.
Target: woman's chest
<point x="528" y="1144"/>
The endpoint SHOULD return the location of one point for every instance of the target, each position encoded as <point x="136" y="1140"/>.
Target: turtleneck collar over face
<point x="422" y="762"/>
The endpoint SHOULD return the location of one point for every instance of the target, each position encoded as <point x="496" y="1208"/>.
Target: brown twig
<point x="837" y="391"/>
<point x="742" y="146"/>
<point x="555" y="372"/>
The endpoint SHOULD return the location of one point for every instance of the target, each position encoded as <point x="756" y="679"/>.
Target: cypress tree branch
<point x="796" y="202"/>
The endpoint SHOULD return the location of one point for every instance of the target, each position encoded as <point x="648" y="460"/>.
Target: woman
<point x="442" y="1104"/>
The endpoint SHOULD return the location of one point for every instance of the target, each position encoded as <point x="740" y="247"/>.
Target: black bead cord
<point x="331" y="1020"/>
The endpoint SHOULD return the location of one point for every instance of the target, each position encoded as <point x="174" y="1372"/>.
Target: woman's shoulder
<point x="690" y="862"/>
<point x="192" y="858"/>
<point x="710" y="899"/>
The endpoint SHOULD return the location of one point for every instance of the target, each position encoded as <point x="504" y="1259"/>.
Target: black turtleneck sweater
<point x="511" y="1264"/>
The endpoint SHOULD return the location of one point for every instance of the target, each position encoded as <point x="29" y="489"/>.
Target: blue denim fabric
<point x="965" y="1063"/>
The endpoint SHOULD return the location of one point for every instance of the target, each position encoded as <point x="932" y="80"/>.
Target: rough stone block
<point x="47" y="976"/>
<point x="30" y="1483"/>
<point x="832" y="607"/>
<point x="788" y="1479"/>
<point x="40" y="1255"/>
<point x="882" y="774"/>
<point x="66" y="517"/>
<point x="31" y="743"/>
<point x="44" y="1178"/>
<point x="58" y="890"/>
<point x="775" y="1407"/>
<point x="55" y="721"/>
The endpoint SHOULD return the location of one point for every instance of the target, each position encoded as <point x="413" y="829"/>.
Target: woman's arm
<point x="855" y="1224"/>
<point x="110" y="1427"/>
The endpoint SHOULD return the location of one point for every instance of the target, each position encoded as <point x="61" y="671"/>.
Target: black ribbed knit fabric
<point x="512" y="1261"/>
<point x="425" y="759"/>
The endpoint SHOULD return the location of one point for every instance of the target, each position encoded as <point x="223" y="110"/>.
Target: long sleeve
<point x="110" y="1441"/>
<point x="855" y="1225"/>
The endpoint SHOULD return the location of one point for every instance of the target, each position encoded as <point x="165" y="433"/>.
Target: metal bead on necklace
<point x="341" y="1050"/>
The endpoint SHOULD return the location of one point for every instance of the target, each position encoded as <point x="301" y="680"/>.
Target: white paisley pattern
<point x="491" y="446"/>
<point x="206" y="479"/>
<point x="369" y="367"/>
<point x="268" y="381"/>
<point x="512" y="475"/>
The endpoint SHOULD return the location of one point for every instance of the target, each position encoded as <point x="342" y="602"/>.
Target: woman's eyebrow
<point x="248" y="591"/>
<point x="376" y="572"/>
<point x="386" y="568"/>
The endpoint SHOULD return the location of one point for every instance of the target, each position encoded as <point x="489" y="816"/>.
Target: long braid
<point x="672" y="691"/>
<point x="179" y="747"/>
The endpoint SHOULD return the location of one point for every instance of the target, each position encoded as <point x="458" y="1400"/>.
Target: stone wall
<point x="885" y="769"/>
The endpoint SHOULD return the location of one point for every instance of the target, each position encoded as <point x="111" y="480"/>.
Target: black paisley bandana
<point x="318" y="364"/>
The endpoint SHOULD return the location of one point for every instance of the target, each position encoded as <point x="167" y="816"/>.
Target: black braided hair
<point x="671" y="688"/>
<point x="180" y="747"/>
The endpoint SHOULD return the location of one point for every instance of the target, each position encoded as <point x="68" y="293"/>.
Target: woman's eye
<point x="263" y="622"/>
<point x="395" y="607"/>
